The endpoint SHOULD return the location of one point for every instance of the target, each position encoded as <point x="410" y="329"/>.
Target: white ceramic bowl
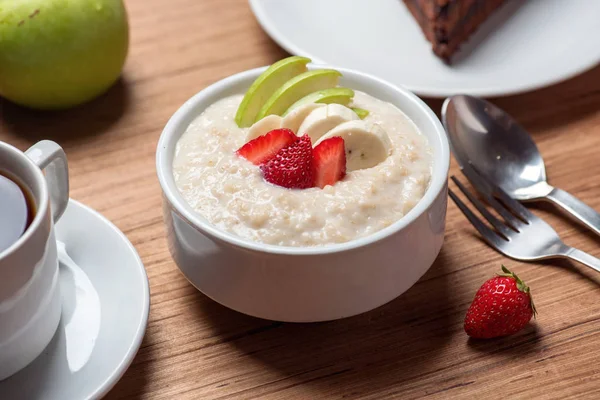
<point x="314" y="283"/>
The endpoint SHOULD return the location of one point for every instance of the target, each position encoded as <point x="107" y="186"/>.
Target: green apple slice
<point x="265" y="85"/>
<point x="338" y="95"/>
<point x="298" y="87"/>
<point x="361" y="112"/>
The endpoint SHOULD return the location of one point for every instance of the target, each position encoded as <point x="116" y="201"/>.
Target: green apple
<point x="298" y="87"/>
<point x="265" y="85"/>
<point x="60" y="53"/>
<point x="361" y="112"/>
<point x="339" y="95"/>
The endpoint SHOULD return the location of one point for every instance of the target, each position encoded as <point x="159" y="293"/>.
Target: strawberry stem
<point x="520" y="285"/>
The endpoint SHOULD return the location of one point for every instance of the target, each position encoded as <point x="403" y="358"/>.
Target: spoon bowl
<point x="500" y="148"/>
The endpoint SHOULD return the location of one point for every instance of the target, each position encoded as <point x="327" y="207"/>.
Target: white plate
<point x="524" y="46"/>
<point x="105" y="311"/>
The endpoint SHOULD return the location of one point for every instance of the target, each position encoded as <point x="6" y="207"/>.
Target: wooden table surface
<point x="413" y="347"/>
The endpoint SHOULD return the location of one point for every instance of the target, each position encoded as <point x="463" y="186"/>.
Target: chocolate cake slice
<point x="448" y="23"/>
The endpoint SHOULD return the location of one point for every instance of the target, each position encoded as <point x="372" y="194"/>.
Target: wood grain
<point x="413" y="347"/>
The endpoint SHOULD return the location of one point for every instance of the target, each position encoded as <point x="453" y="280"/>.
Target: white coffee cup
<point x="30" y="305"/>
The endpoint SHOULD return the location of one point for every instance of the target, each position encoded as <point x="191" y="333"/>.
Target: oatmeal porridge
<point x="230" y="192"/>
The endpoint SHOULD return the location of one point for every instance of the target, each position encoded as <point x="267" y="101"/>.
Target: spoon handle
<point x="584" y="258"/>
<point x="578" y="209"/>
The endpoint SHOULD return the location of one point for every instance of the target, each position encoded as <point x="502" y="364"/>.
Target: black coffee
<point x="16" y="210"/>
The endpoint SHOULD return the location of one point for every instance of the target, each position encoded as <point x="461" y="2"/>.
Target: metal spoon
<point x="485" y="136"/>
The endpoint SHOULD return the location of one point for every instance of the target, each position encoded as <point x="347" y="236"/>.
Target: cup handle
<point x="51" y="158"/>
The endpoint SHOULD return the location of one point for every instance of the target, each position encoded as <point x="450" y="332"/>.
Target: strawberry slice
<point x="330" y="161"/>
<point x="292" y="167"/>
<point x="263" y="148"/>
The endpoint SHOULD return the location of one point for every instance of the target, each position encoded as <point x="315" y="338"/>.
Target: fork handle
<point x="583" y="257"/>
<point x="577" y="208"/>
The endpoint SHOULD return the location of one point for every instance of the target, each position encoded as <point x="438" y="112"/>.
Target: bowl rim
<point x="169" y="135"/>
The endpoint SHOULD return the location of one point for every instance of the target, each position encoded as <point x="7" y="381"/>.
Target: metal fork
<point x="522" y="235"/>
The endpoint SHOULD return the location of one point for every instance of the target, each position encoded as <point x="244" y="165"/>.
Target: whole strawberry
<point x="502" y="306"/>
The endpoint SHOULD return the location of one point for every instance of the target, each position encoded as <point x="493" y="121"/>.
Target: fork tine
<point x="488" y="235"/>
<point x="480" y="184"/>
<point x="486" y="190"/>
<point x="514" y="206"/>
<point x="510" y="203"/>
<point x="496" y="223"/>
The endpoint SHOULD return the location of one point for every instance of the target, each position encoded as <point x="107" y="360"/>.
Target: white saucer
<point x="105" y="312"/>
<point x="524" y="46"/>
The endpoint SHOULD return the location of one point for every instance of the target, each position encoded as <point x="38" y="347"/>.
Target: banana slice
<point x="367" y="144"/>
<point x="294" y="119"/>
<point x="323" y="119"/>
<point x="264" y="126"/>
